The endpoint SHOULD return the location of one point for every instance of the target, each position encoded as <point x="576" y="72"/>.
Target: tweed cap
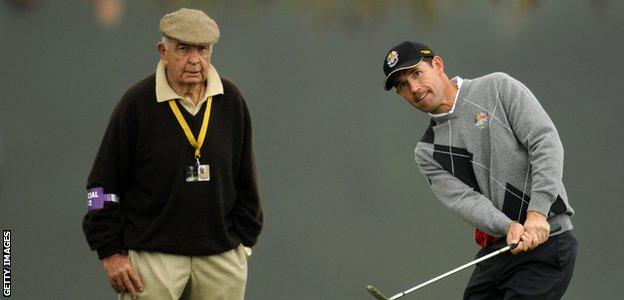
<point x="190" y="26"/>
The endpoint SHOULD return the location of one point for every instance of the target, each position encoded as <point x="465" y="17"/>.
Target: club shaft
<point x="432" y="280"/>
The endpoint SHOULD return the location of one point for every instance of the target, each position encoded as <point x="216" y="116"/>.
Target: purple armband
<point x="96" y="198"/>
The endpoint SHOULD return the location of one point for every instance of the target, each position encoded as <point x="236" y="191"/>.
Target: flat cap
<point x="190" y="26"/>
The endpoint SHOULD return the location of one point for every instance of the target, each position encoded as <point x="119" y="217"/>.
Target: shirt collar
<point x="457" y="81"/>
<point x="164" y="92"/>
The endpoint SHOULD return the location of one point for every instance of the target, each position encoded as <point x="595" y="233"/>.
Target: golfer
<point x="172" y="195"/>
<point x="493" y="156"/>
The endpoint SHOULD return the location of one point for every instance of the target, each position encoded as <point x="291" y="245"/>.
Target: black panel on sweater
<point x="513" y="204"/>
<point x="559" y="206"/>
<point x="461" y="166"/>
<point x="429" y="135"/>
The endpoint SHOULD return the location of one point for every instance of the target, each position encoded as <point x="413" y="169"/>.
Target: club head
<point x="375" y="292"/>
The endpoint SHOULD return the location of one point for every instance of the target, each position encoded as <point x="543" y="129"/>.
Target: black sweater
<point x="142" y="159"/>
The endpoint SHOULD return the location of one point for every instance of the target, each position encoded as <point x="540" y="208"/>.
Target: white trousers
<point x="171" y="277"/>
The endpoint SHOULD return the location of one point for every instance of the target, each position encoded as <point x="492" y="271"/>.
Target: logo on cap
<point x="481" y="120"/>
<point x="392" y="59"/>
<point x="425" y="52"/>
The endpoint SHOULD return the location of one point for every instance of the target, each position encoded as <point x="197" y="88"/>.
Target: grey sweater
<point x="495" y="156"/>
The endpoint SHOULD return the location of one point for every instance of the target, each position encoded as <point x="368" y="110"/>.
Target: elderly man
<point x="172" y="195"/>
<point x="493" y="156"/>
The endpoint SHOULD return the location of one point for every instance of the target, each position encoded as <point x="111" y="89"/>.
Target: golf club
<point x="378" y="295"/>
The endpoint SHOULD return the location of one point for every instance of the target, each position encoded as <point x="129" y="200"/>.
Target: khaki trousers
<point x="171" y="277"/>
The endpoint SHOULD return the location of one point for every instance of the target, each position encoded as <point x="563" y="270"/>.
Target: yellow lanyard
<point x="197" y="144"/>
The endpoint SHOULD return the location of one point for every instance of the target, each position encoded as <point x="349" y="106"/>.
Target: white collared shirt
<point x="457" y="81"/>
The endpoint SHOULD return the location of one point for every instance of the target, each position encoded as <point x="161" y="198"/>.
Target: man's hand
<point x="121" y="275"/>
<point x="515" y="231"/>
<point x="534" y="232"/>
<point x="537" y="226"/>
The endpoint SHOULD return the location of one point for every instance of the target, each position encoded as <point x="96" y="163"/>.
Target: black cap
<point x="403" y="56"/>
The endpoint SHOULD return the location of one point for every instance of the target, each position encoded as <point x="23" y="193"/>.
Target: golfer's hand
<point x="534" y="232"/>
<point x="515" y="231"/>
<point x="121" y="275"/>
<point x="537" y="227"/>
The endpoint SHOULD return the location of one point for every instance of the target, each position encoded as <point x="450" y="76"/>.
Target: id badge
<point x="203" y="173"/>
<point x="197" y="173"/>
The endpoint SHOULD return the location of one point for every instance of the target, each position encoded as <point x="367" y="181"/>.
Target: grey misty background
<point x="345" y="204"/>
